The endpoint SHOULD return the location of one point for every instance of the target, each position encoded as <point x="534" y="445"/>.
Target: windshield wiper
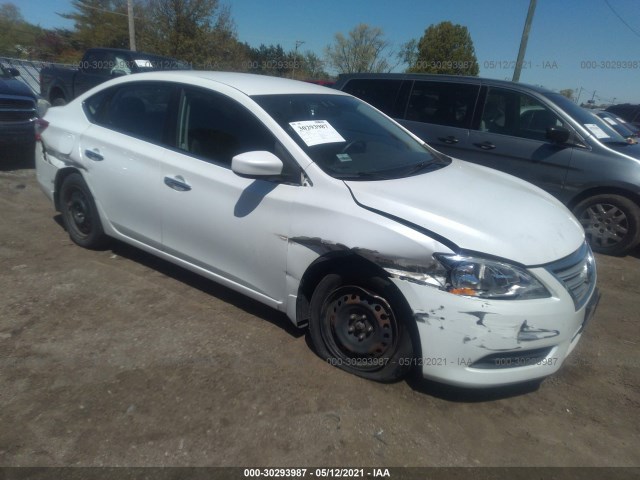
<point x="361" y="176"/>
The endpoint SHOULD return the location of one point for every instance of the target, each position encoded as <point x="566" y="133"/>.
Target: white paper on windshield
<point x="316" y="132"/>
<point x="596" y="130"/>
<point x="143" y="63"/>
<point x="610" y="121"/>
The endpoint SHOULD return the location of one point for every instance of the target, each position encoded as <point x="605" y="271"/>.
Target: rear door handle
<point x="94" y="154"/>
<point x="450" y="139"/>
<point x="485" y="145"/>
<point x="177" y="183"/>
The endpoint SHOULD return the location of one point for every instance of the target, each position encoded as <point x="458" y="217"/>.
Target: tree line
<point x="203" y="33"/>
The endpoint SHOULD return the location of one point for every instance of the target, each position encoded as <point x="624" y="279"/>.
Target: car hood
<point x="632" y="150"/>
<point x="479" y="209"/>
<point x="10" y="86"/>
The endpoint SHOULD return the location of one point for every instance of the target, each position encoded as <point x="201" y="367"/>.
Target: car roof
<point x="247" y="83"/>
<point x="441" y="78"/>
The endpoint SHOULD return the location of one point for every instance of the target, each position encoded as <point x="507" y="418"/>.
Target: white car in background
<point x="313" y="202"/>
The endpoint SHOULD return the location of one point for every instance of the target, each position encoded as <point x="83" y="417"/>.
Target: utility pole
<point x="132" y="31"/>
<point x="524" y="40"/>
<point x="295" y="58"/>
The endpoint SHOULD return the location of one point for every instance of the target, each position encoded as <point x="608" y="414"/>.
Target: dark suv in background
<point x="529" y="132"/>
<point x="18" y="111"/>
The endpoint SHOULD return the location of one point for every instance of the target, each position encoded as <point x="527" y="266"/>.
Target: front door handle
<point x="177" y="183"/>
<point x="450" y="139"/>
<point x="485" y="145"/>
<point x="94" y="154"/>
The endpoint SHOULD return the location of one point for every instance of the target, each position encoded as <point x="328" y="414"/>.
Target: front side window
<point x="215" y="128"/>
<point x="138" y="109"/>
<point x="594" y="124"/>
<point x="348" y="139"/>
<point x="508" y="112"/>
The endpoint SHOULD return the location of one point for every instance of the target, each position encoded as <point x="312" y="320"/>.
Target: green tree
<point x="57" y="46"/>
<point x="197" y="31"/>
<point x="567" y="92"/>
<point x="363" y="50"/>
<point x="100" y="23"/>
<point x="311" y="67"/>
<point x="444" y="48"/>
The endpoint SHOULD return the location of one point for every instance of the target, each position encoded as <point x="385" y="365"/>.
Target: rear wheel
<point x="611" y="223"/>
<point x="360" y="327"/>
<point x="80" y="214"/>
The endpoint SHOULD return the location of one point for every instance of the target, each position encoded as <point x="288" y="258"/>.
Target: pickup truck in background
<point x="60" y="85"/>
<point x="18" y="112"/>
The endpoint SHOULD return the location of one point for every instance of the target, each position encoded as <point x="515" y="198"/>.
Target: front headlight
<point x="480" y="277"/>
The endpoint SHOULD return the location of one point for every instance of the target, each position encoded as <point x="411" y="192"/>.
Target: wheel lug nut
<point x="370" y="329"/>
<point x="361" y="336"/>
<point x="351" y="329"/>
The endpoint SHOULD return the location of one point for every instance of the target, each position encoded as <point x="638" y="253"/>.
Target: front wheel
<point x="359" y="327"/>
<point x="611" y="223"/>
<point x="80" y="215"/>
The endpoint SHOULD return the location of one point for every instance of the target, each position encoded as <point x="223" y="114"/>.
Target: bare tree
<point x="363" y="50"/>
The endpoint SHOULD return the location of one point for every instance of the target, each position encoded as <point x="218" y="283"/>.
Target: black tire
<point x="361" y="327"/>
<point x="80" y="214"/>
<point x="611" y="223"/>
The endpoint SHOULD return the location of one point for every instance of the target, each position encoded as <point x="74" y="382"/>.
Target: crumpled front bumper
<point x="473" y="342"/>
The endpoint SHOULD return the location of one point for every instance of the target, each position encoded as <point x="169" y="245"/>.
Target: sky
<point x="590" y="46"/>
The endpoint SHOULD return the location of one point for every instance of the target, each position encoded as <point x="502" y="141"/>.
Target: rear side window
<point x="98" y="62"/>
<point x="387" y="95"/>
<point x="439" y="103"/>
<point x="508" y="112"/>
<point x="140" y="109"/>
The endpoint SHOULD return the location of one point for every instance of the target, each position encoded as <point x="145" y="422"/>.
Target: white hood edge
<point x="479" y="209"/>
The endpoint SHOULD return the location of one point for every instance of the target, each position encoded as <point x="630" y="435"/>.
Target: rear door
<point x="122" y="150"/>
<point x="440" y="113"/>
<point x="511" y="136"/>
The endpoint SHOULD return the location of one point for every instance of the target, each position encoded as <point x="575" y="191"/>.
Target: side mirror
<point x="258" y="164"/>
<point x="14" y="72"/>
<point x="558" y="135"/>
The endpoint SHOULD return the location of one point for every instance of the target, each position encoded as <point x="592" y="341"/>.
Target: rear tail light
<point x="40" y="126"/>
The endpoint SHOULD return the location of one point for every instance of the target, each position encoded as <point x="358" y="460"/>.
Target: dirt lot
<point x="117" y="358"/>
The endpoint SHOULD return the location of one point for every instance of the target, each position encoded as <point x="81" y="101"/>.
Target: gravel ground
<point x="117" y="358"/>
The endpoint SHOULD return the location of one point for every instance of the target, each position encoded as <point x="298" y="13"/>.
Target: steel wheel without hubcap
<point x="358" y="326"/>
<point x="80" y="214"/>
<point x="362" y="326"/>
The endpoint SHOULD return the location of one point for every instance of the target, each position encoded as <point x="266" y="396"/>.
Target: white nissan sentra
<point x="313" y="202"/>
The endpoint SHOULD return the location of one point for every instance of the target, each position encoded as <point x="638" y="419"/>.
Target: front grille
<point x="8" y="103"/>
<point x="577" y="273"/>
<point x="17" y="109"/>
<point x="513" y="359"/>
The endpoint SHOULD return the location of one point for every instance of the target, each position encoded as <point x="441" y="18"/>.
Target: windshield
<point x="594" y="124"/>
<point x="348" y="139"/>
